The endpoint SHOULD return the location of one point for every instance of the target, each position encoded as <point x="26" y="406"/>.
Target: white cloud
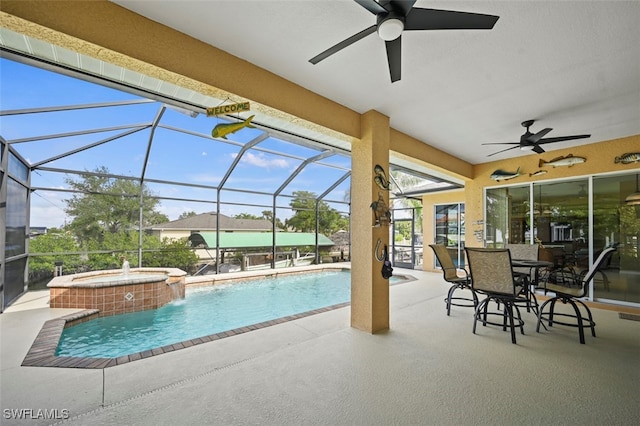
<point x="47" y="209"/>
<point x="260" y="160"/>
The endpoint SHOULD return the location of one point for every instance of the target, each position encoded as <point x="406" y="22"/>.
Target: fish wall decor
<point x="538" y="173"/>
<point x="568" y="160"/>
<point x="499" y="175"/>
<point x="222" y="130"/>
<point x="628" y="158"/>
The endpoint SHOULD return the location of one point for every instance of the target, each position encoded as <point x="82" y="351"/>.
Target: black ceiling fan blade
<point x="536" y="137"/>
<point x="372" y="6"/>
<point x="403" y="6"/>
<point x="498" y="152"/>
<point x="538" y="149"/>
<point x="344" y="43"/>
<point x="435" y="19"/>
<point x="501" y="143"/>
<point x="394" y="57"/>
<point x="563" y="138"/>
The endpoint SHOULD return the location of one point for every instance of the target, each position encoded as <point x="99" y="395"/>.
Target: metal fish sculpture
<point x="499" y="175"/>
<point x="222" y="130"/>
<point x="628" y="158"/>
<point x="568" y="160"/>
<point x="538" y="173"/>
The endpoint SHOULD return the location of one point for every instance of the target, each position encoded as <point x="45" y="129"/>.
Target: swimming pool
<point x="205" y="311"/>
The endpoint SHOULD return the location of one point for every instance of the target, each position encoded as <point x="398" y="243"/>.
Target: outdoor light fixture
<point x="390" y="27"/>
<point x="634" y="198"/>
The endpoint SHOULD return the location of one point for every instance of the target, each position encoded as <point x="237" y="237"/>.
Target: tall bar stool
<point x="451" y="275"/>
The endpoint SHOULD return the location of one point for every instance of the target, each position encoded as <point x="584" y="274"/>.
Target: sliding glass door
<point x="450" y="229"/>
<point x="573" y="220"/>
<point x="616" y="221"/>
<point x="507" y="216"/>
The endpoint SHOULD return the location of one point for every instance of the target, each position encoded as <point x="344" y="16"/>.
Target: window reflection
<point x="561" y="225"/>
<point x="616" y="222"/>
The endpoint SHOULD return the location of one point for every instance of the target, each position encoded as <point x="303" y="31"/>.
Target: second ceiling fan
<point x="532" y="141"/>
<point x="395" y="16"/>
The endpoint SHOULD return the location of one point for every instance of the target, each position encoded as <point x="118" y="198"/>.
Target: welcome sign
<point x="228" y="109"/>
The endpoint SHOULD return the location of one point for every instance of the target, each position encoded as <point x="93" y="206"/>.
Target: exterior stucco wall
<point x="599" y="156"/>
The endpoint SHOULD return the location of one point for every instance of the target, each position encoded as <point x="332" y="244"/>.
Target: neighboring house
<point x="183" y="228"/>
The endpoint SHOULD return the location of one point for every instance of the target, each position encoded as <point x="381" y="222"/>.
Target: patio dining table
<point x="534" y="265"/>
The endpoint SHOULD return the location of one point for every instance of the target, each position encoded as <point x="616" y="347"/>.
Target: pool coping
<point x="43" y="350"/>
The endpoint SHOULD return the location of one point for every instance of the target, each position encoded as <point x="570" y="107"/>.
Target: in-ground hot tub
<point x="112" y="292"/>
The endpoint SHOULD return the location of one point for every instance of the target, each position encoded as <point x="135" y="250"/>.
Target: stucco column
<point x="369" y="290"/>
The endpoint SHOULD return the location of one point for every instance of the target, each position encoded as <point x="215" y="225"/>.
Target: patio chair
<point x="528" y="276"/>
<point x="492" y="275"/>
<point x="525" y="252"/>
<point x="571" y="295"/>
<point x="452" y="275"/>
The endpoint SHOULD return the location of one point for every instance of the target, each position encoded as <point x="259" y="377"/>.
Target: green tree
<point x="247" y="216"/>
<point x="104" y="204"/>
<point x="185" y="215"/>
<point x="172" y="254"/>
<point x="304" y="217"/>
<point x="47" y="249"/>
<point x="268" y="215"/>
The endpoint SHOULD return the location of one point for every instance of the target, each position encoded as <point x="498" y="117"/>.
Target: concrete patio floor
<point x="427" y="369"/>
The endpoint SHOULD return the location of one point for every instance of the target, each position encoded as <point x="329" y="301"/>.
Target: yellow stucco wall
<point x="599" y="156"/>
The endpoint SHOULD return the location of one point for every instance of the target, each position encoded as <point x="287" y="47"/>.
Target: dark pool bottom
<point x="43" y="350"/>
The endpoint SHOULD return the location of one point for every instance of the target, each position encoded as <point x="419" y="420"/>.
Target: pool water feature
<point x="205" y="311"/>
<point x="114" y="292"/>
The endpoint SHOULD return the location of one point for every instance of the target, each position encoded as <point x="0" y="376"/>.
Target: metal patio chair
<point x="492" y="275"/>
<point x="452" y="275"/>
<point x="571" y="294"/>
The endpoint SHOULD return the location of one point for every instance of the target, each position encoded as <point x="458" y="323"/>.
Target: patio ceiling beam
<point x="265" y="150"/>
<point x="200" y="135"/>
<point x="305" y="163"/>
<point x="154" y="126"/>
<point x="334" y="186"/>
<point x="78" y="133"/>
<point x="236" y="160"/>
<point x="73" y="107"/>
<point x="143" y="172"/>
<point x="85" y="147"/>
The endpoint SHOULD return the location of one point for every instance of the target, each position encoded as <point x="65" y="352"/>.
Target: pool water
<point x="205" y="311"/>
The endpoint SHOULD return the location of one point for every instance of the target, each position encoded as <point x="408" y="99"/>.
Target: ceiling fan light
<point x="390" y="29"/>
<point x="526" y="147"/>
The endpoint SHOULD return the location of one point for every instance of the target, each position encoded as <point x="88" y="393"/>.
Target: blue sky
<point x="174" y="156"/>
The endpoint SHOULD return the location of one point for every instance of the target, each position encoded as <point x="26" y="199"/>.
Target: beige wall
<point x="600" y="159"/>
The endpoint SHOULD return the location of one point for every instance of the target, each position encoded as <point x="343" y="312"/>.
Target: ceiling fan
<point x="532" y="141"/>
<point x="395" y="16"/>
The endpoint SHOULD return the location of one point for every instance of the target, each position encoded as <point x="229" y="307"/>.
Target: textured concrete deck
<point x="428" y="369"/>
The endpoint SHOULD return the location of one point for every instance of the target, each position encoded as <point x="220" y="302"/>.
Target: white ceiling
<point x="573" y="66"/>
